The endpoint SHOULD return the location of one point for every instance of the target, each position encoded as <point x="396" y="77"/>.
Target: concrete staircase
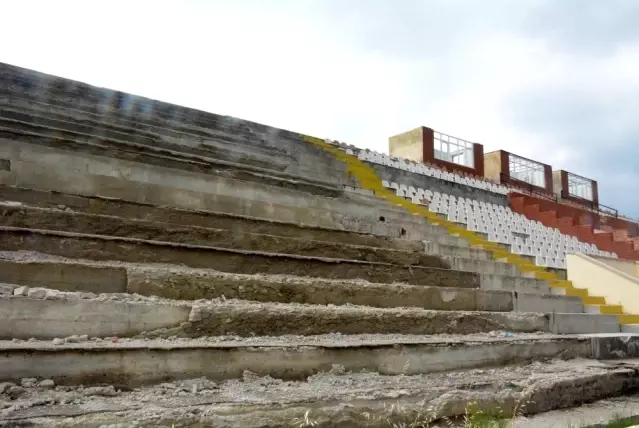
<point x="148" y="288"/>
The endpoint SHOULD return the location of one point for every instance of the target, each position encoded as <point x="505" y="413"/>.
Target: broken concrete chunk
<point x="7" y="289"/>
<point x="37" y="293"/>
<point x="28" y="382"/>
<point x="4" y="387"/>
<point x="21" y="291"/>
<point x="47" y="383"/>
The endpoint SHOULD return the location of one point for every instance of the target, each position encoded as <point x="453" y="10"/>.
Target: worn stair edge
<point x="143" y="362"/>
<point x="109" y="225"/>
<point x="97" y="247"/>
<point x="363" y="401"/>
<point x="69" y="221"/>
<point x="179" y="283"/>
<point x="210" y="219"/>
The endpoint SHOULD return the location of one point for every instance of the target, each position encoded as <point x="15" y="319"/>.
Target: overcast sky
<point x="553" y="80"/>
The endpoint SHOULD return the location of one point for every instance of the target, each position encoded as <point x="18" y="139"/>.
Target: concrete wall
<point x="435" y="184"/>
<point x="602" y="279"/>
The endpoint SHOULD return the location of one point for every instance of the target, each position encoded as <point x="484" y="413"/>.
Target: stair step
<point x="604" y="309"/>
<point x="40" y="318"/>
<point x="69" y="221"/>
<point x="626" y="319"/>
<point x="134" y="362"/>
<point x="594" y="300"/>
<point x="265" y="402"/>
<point x="630" y="328"/>
<point x="205" y="219"/>
<point x="97" y="247"/>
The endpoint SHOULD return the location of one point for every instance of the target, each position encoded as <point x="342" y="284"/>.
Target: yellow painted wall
<point x="602" y="279"/>
<point x="409" y="145"/>
<point x="626" y="266"/>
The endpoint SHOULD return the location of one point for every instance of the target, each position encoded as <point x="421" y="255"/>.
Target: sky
<point x="553" y="80"/>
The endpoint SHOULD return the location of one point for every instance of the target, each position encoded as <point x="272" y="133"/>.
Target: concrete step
<point x="453" y="250"/>
<point x="102" y="248"/>
<point x="125" y="150"/>
<point x="55" y="169"/>
<point x="210" y="129"/>
<point x="107" y="225"/>
<point x="604" y="309"/>
<point x="575" y="323"/>
<point x="630" y="328"/>
<point x="135" y="362"/>
<point x="53" y="316"/>
<point x="519" y="284"/>
<point x="234" y="144"/>
<point x="48" y="314"/>
<point x="55" y="219"/>
<point x="363" y="399"/>
<point x="207" y="219"/>
<point x="193" y="284"/>
<point x="142" y="132"/>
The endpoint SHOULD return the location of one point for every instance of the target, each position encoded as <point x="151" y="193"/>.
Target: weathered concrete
<point x="253" y="160"/>
<point x="24" y="318"/>
<point x="273" y="319"/>
<point x="201" y="284"/>
<point x="519" y="284"/>
<point x="198" y="133"/>
<point x="55" y="219"/>
<point x="207" y="219"/>
<point x="531" y="302"/>
<point x="98" y="247"/>
<point x="48" y="169"/>
<point x="482" y="266"/>
<point x="135" y="363"/>
<point x="574" y="323"/>
<point x="612" y="346"/>
<point x="453" y="250"/>
<point x="7" y="289"/>
<point x="64" y="276"/>
<point x="329" y="400"/>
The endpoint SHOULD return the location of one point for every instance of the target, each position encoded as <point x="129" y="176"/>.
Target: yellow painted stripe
<point x="611" y="309"/>
<point x="628" y="319"/>
<point x="593" y="300"/>
<point x="581" y="292"/>
<point x="369" y="180"/>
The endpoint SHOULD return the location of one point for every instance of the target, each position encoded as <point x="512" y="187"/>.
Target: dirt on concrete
<point x="247" y="319"/>
<point x="331" y="399"/>
<point x="207" y="219"/>
<point x="55" y="219"/>
<point x="101" y="248"/>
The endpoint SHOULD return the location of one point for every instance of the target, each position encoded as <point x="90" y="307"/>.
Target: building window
<point x="454" y="150"/>
<point x="5" y="165"/>
<point x="579" y="187"/>
<point x="528" y="171"/>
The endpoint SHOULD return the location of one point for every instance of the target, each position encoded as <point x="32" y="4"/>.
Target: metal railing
<point x="591" y="205"/>
<point x="527" y="187"/>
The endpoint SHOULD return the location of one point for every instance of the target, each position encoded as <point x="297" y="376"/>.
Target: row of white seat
<point x="407" y="165"/>
<point x="420" y="168"/>
<point x="548" y="245"/>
